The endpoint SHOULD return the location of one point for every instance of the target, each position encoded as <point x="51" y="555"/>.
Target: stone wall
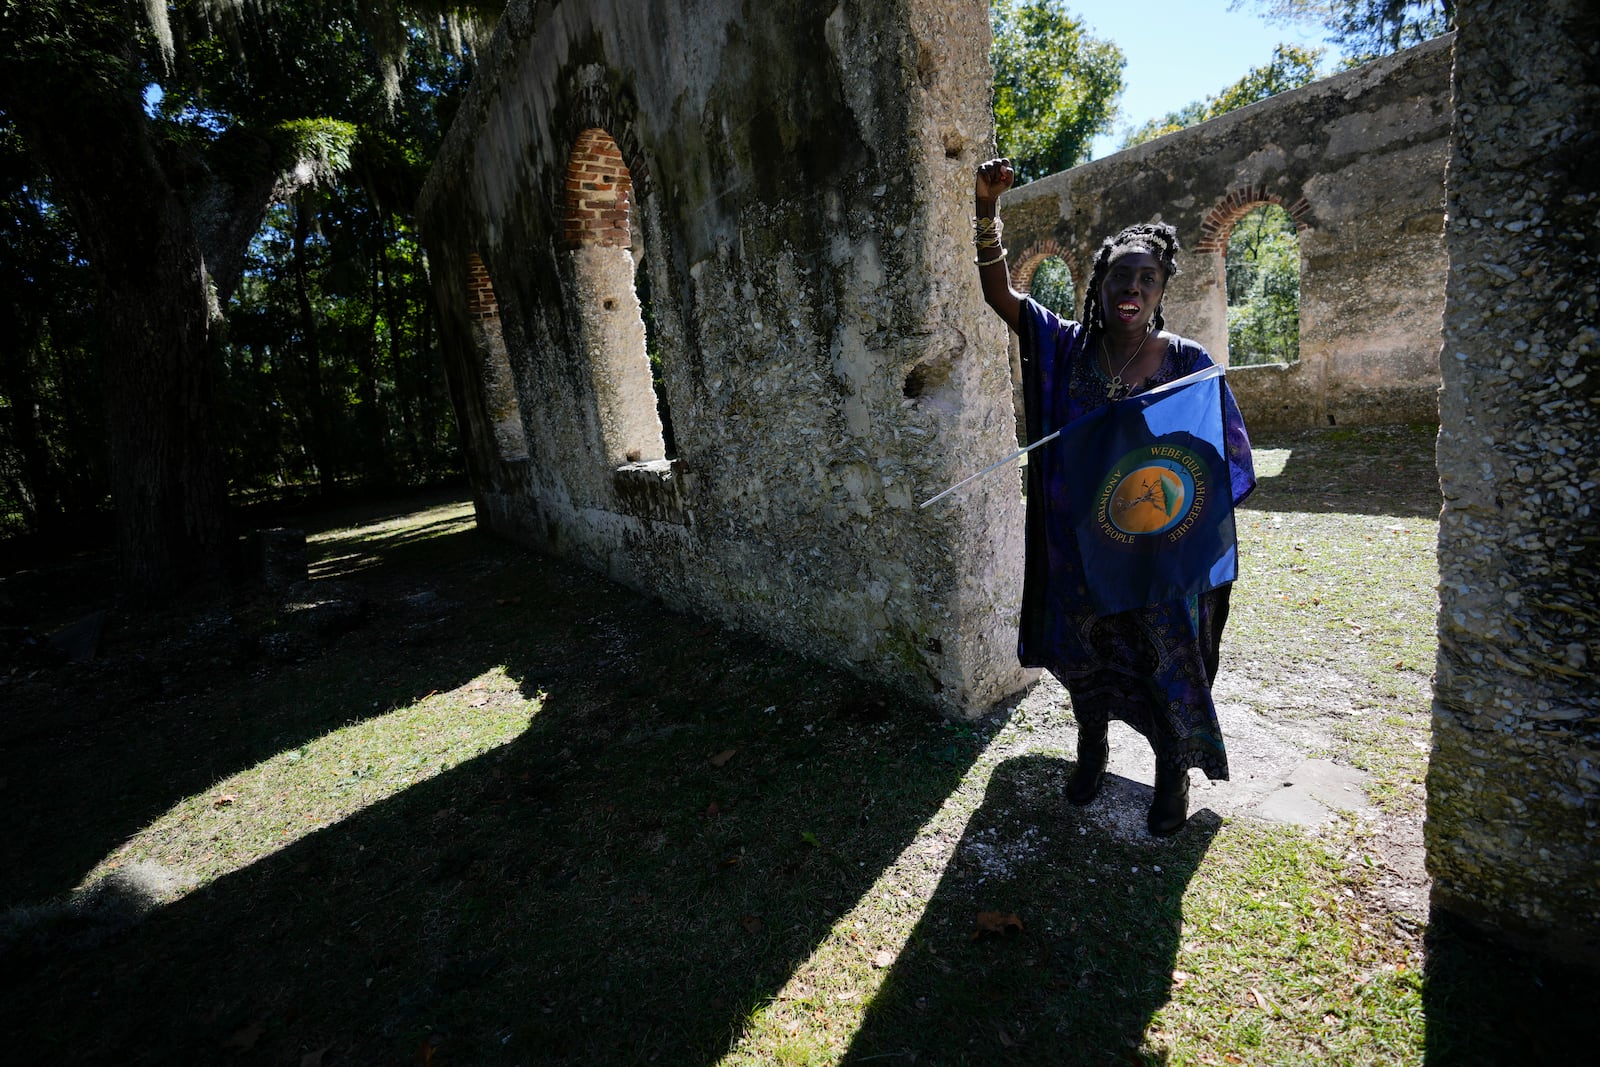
<point x="1514" y="779"/>
<point x="795" y="180"/>
<point x="1358" y="160"/>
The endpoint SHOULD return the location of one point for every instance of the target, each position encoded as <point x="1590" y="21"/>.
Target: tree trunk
<point x="160" y="384"/>
<point x="155" y="319"/>
<point x="311" y="353"/>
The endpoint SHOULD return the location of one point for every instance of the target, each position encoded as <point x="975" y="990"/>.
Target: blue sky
<point x="1179" y="51"/>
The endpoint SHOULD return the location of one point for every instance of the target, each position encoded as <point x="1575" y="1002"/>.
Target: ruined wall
<point x="1358" y="160"/>
<point x="1514" y="779"/>
<point x="795" y="178"/>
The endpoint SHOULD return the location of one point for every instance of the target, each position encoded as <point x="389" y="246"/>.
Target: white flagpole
<point x="993" y="466"/>
<point x="1213" y="371"/>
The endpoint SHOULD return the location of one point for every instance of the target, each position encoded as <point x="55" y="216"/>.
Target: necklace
<point x="1116" y="388"/>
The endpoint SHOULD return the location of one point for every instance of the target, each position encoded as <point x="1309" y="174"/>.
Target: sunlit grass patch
<point x="1283" y="959"/>
<point x="1270" y="462"/>
<point x="1336" y="610"/>
<point x="349" y="549"/>
<point x="252" y="814"/>
<point x="818" y="1011"/>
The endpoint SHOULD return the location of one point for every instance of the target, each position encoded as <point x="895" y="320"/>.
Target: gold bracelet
<point x="986" y="232"/>
<point x="991" y="262"/>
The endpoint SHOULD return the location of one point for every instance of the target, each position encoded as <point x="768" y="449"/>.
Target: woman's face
<point x="1132" y="290"/>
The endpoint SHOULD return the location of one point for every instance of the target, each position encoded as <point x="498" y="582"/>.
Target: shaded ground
<point x="455" y="803"/>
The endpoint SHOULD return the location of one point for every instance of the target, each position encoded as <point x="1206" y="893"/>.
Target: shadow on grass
<point x="599" y="890"/>
<point x="1490" y="1002"/>
<point x="108" y="747"/>
<point x="1101" y="911"/>
<point x="1368" y="470"/>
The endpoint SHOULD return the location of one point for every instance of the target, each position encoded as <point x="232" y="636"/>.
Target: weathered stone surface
<point x="798" y="190"/>
<point x="1514" y="780"/>
<point x="1358" y="160"/>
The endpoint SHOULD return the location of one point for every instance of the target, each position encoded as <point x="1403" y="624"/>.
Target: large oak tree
<point x="167" y="130"/>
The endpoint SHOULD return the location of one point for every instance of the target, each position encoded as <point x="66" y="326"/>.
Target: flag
<point x="1150" y="495"/>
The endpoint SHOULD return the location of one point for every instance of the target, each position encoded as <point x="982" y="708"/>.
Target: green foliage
<point x="323" y="144"/>
<point x="1289" y="68"/>
<point x="229" y="101"/>
<point x="1052" y="287"/>
<point x="1263" y="268"/>
<point x="51" y="435"/>
<point x="1055" y="87"/>
<point x="1365" y="29"/>
<point x="344" y="387"/>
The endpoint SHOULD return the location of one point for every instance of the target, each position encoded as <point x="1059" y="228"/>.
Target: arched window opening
<point x="599" y="237"/>
<point x="1052" y="287"/>
<point x="1263" y="283"/>
<point x="499" y="389"/>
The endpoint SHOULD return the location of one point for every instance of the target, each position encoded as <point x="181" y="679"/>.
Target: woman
<point x="1152" y="667"/>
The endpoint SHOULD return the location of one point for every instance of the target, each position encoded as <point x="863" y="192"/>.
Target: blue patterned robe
<point x="1151" y="668"/>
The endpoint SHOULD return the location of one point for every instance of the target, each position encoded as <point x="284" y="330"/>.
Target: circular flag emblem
<point x="1151" y="491"/>
<point x="1152" y="498"/>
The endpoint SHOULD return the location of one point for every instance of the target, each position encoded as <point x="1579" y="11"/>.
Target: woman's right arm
<point x="994" y="177"/>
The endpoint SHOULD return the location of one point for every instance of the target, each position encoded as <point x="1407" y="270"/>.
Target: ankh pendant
<point x="1115" y="388"/>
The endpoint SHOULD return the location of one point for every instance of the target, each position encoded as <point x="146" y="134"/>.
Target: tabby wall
<point x="1514" y="779"/>
<point x="1358" y="160"/>
<point x="775" y="199"/>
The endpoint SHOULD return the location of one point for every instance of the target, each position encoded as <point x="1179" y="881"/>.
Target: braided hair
<point x="1160" y="239"/>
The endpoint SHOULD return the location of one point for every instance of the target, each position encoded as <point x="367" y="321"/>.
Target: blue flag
<point x="1150" y="495"/>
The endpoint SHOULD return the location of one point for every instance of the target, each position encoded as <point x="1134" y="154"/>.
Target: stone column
<point x="1514" y="782"/>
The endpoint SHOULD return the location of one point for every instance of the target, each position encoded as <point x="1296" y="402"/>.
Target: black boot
<point x="1093" y="751"/>
<point x="1170" y="808"/>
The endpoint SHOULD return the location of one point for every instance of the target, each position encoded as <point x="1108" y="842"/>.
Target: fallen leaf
<point x="1330" y="1020"/>
<point x="1261" y="1001"/>
<point x="751" y="923"/>
<point x="1005" y="1039"/>
<point x="723" y="757"/>
<point x="883" y="959"/>
<point x="712" y="809"/>
<point x="845" y="998"/>
<point x="508" y="601"/>
<point x="314" y="1058"/>
<point x="1179" y="979"/>
<point x="224" y="800"/>
<point x="995" y="922"/>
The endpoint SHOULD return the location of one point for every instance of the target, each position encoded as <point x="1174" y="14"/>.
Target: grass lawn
<point x="459" y="804"/>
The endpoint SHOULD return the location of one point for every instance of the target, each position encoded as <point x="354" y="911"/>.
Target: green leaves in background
<point x="1055" y="87"/>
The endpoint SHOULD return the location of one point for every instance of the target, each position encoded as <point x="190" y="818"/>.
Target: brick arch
<point x="1218" y="223"/>
<point x="598" y="233"/>
<point x="597" y="104"/>
<point x="599" y="193"/>
<point x="481" y="301"/>
<point x="496" y="379"/>
<point x="1026" y="264"/>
